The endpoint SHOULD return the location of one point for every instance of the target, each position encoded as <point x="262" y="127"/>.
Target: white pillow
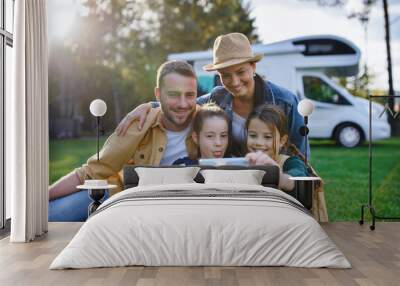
<point x="249" y="177"/>
<point x="166" y="176"/>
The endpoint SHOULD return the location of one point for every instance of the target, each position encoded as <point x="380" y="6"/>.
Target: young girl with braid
<point x="267" y="144"/>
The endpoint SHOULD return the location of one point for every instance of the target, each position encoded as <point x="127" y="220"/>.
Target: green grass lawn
<point x="66" y="155"/>
<point x="344" y="171"/>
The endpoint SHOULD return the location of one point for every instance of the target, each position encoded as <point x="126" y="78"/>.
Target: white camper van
<point x="304" y="65"/>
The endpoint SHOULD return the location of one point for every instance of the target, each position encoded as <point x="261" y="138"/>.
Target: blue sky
<point x="283" y="19"/>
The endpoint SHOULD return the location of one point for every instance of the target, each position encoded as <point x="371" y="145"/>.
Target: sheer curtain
<point x="27" y="123"/>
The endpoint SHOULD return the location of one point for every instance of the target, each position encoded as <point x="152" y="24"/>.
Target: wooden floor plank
<point x="374" y="255"/>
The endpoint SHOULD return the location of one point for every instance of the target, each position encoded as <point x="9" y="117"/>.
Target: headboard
<point x="270" y="179"/>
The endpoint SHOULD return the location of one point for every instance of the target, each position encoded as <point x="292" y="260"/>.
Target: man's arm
<point x="115" y="153"/>
<point x="203" y="99"/>
<point x="64" y="186"/>
<point x="139" y="113"/>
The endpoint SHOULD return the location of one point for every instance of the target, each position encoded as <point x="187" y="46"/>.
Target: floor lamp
<point x="305" y="186"/>
<point x="305" y="108"/>
<point x="98" y="108"/>
<point x="96" y="188"/>
<point x="370" y="204"/>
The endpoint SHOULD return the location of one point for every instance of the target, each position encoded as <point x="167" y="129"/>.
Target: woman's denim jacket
<point x="272" y="94"/>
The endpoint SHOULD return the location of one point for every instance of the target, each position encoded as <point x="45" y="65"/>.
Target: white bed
<point x="201" y="224"/>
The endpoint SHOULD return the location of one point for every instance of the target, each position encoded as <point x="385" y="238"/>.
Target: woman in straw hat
<point x="242" y="91"/>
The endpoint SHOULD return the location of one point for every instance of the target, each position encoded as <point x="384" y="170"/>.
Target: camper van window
<point x="206" y="83"/>
<point x="320" y="47"/>
<point x="316" y="89"/>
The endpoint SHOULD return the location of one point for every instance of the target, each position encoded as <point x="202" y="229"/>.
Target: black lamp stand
<point x="370" y="205"/>
<point x="96" y="195"/>
<point x="98" y="135"/>
<point x="304" y="132"/>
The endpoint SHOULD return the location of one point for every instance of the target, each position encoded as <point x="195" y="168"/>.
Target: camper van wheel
<point x="348" y="135"/>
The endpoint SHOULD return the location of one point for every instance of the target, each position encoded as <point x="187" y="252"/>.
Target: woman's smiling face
<point x="239" y="79"/>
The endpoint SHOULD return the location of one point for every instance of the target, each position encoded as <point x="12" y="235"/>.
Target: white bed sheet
<point x="202" y="231"/>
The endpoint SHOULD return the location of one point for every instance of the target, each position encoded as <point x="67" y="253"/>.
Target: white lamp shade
<point x="305" y="107"/>
<point x="98" y="107"/>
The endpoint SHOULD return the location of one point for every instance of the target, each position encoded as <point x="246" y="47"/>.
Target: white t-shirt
<point x="238" y="127"/>
<point x="176" y="147"/>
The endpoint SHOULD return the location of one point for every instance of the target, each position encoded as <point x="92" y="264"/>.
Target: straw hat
<point x="231" y="49"/>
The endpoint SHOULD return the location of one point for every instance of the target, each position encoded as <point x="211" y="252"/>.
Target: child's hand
<point x="260" y="158"/>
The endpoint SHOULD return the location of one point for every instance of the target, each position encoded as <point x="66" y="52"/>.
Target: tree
<point x="97" y="50"/>
<point x="363" y="16"/>
<point x="118" y="45"/>
<point x="188" y="25"/>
